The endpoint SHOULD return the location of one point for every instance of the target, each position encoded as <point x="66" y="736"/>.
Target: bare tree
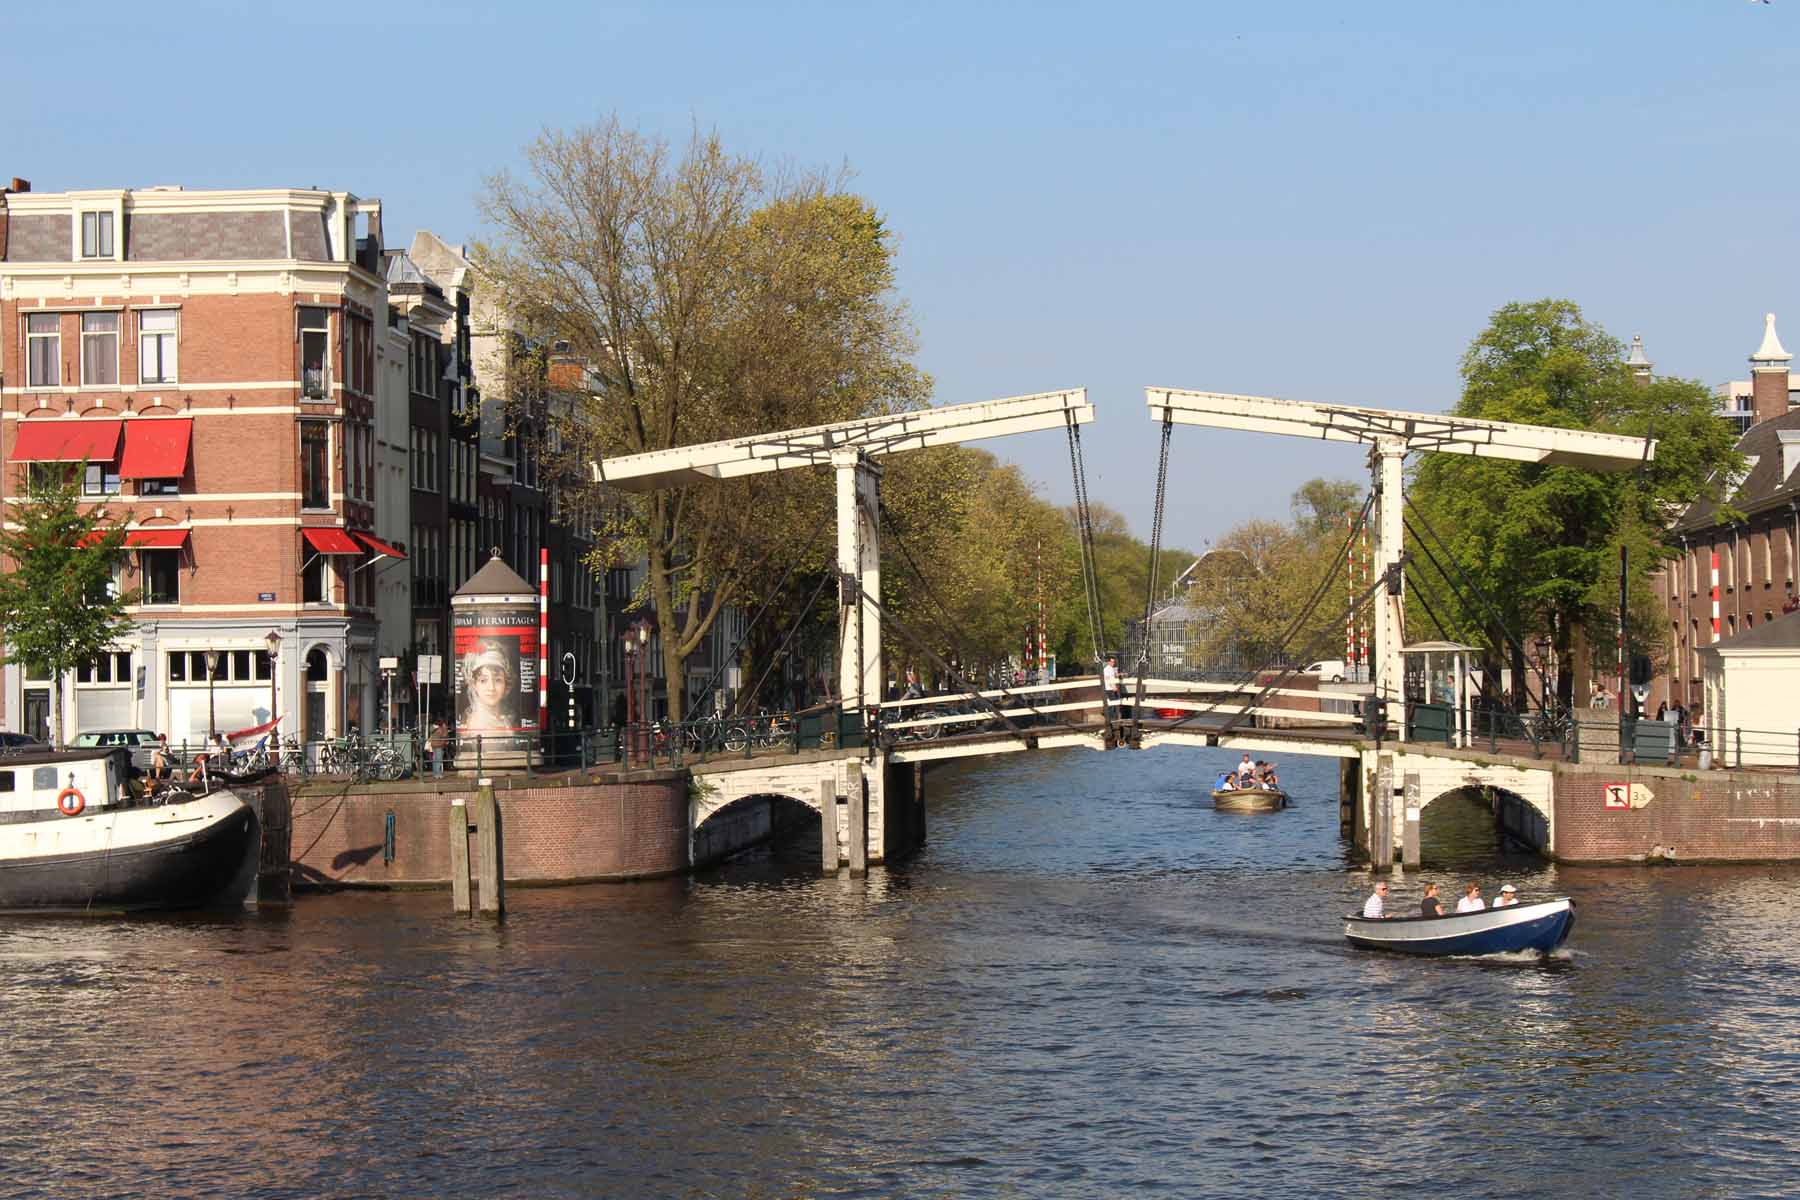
<point x="711" y="300"/>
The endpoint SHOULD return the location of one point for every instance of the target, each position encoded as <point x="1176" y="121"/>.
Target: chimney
<point x="1768" y="376"/>
<point x="1639" y="362"/>
<point x="18" y="185"/>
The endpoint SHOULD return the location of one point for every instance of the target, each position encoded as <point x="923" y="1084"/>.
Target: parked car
<point x="20" y="743"/>
<point x="141" y="742"/>
<point x="1331" y="670"/>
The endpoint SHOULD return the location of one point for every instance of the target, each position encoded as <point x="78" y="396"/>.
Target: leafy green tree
<point x="58" y="605"/>
<point x="1541" y="542"/>
<point x="1266" y="570"/>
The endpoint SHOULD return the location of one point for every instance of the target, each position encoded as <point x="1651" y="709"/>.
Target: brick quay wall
<point x="1676" y="815"/>
<point x="557" y="829"/>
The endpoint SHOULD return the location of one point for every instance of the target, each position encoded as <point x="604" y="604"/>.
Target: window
<point x="49" y="474"/>
<point x="102" y="480"/>
<point x="159" y="487"/>
<point x="312" y="581"/>
<point x="43" y="350"/>
<point x="110" y="669"/>
<point x="359" y="366"/>
<point x="234" y="666"/>
<point x="100" y="349"/>
<point x="162" y="576"/>
<point x="315" y="464"/>
<point x="156" y="345"/>
<point x="315" y="353"/>
<point x="96" y="235"/>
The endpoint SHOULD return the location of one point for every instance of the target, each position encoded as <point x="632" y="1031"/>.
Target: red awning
<point x="156" y="539"/>
<point x="331" y="541"/>
<point x="377" y="546"/>
<point x="156" y="448"/>
<point x="65" y="440"/>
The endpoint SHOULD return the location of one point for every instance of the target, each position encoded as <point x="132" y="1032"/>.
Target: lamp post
<point x="212" y="672"/>
<point x="643" y="637"/>
<point x="630" y="679"/>
<point x="274" y="640"/>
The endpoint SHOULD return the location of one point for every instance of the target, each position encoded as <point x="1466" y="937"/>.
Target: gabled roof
<point x="1763" y="486"/>
<point x="1783" y="633"/>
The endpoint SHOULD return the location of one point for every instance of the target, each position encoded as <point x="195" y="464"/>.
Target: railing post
<point x="1738" y="759"/>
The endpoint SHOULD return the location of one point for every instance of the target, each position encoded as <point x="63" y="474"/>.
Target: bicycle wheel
<point x="736" y="738"/>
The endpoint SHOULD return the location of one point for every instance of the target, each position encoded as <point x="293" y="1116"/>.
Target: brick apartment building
<point x="312" y="438"/>
<point x="211" y="356"/>
<point x="1756" y="578"/>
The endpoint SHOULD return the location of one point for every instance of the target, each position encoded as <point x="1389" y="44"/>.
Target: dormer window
<point x="97" y="234"/>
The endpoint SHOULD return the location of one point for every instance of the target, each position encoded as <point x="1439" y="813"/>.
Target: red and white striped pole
<point x="1715" y="595"/>
<point x="543" y="638"/>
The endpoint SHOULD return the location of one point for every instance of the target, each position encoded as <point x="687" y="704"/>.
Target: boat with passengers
<point x="1540" y="926"/>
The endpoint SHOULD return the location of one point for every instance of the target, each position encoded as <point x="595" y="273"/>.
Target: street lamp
<point x="643" y="637"/>
<point x="274" y="640"/>
<point x="630" y="679"/>
<point x="212" y="671"/>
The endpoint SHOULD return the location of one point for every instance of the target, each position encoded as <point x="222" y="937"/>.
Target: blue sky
<point x="1316" y="200"/>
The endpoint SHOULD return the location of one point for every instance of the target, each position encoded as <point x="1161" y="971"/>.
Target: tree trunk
<point x="56" y="730"/>
<point x="663" y="600"/>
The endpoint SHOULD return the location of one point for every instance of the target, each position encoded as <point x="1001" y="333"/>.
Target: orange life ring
<point x="71" y="801"/>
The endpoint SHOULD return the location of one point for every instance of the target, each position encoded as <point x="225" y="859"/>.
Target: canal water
<point x="1088" y="984"/>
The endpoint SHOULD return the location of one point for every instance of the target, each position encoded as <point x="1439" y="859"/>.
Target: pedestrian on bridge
<point x="1109" y="679"/>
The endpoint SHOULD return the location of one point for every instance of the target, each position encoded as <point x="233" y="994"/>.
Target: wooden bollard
<point x="1381" y="825"/>
<point x="459" y="855"/>
<point x="1409" y="837"/>
<point x="828" y="826"/>
<point x="490" y="859"/>
<point x="859" y="826"/>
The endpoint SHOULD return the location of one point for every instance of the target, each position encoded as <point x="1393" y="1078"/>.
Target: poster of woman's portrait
<point x="490" y="687"/>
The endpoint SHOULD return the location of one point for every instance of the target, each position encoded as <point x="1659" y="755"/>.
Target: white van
<point x="1331" y="670"/>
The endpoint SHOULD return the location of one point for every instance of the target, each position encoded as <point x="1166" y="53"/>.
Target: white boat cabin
<point x="33" y="786"/>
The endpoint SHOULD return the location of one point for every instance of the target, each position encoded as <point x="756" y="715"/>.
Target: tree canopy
<point x="711" y="299"/>
<point x="1540" y="543"/>
<point x="57" y="603"/>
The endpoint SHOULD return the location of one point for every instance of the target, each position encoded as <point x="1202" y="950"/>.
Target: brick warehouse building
<point x="212" y="356"/>
<point x="1756" y="556"/>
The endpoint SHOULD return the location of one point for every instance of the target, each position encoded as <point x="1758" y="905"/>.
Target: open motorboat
<point x="1540" y="925"/>
<point x="1249" y="799"/>
<point x="73" y="837"/>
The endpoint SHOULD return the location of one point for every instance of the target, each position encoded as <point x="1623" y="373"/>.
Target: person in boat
<point x="1265" y="773"/>
<point x="1509" y="895"/>
<point x="1471" y="900"/>
<point x="159" y="760"/>
<point x="1430" y="906"/>
<point x="215" y="751"/>
<point x="1225" y="782"/>
<point x="1375" y="907"/>
<point x="1246" y="772"/>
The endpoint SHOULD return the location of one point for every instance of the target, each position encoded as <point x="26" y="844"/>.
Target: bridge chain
<point x="1084" y="528"/>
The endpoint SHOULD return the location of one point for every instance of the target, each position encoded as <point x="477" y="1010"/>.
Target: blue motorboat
<point x="1541" y="925"/>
